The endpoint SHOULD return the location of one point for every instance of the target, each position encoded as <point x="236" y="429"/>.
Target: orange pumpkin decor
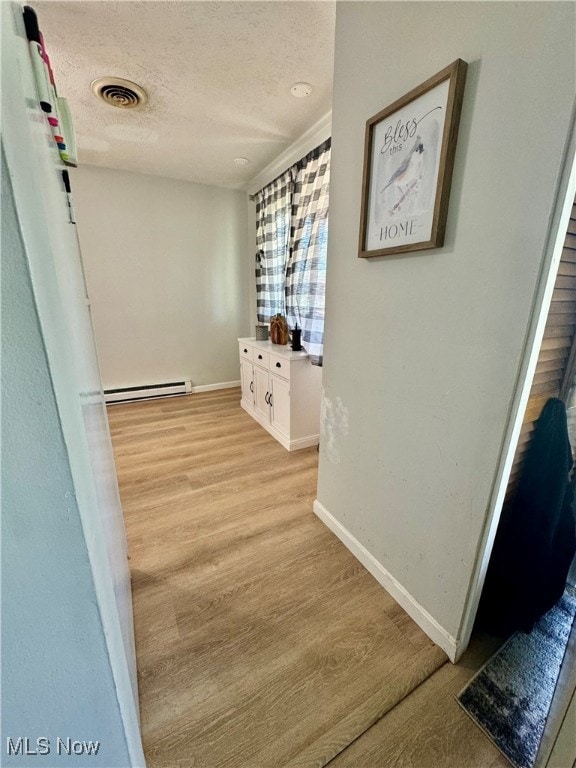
<point x="278" y="329"/>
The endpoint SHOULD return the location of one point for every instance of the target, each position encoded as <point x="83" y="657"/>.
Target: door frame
<point x="564" y="695"/>
<point x="560" y="215"/>
<point x="24" y="143"/>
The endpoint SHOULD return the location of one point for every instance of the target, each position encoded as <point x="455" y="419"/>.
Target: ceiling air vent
<point x="119" y="93"/>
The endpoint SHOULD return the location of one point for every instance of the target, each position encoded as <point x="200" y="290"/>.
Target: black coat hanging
<point x="536" y="539"/>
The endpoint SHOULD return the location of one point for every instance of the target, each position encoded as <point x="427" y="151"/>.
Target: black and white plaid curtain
<point x="292" y="243"/>
<point x="273" y="210"/>
<point x="306" y="270"/>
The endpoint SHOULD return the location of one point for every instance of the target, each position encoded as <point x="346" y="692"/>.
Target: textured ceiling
<point x="218" y="77"/>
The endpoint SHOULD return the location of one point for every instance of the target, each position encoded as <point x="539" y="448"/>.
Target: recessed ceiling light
<point x="301" y="90"/>
<point x="241" y="161"/>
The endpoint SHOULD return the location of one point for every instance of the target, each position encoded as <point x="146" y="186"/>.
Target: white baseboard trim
<point x="424" y="620"/>
<point x="211" y="387"/>
<point x="304" y="442"/>
<point x="291" y="445"/>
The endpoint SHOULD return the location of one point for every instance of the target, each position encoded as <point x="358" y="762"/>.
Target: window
<point x="292" y="243"/>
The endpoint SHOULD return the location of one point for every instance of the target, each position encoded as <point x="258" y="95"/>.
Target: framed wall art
<point x="408" y="161"/>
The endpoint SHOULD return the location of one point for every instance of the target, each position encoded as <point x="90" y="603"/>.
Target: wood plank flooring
<point x="428" y="729"/>
<point x="261" y="642"/>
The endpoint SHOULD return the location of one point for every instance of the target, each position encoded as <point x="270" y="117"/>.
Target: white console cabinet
<point x="281" y="390"/>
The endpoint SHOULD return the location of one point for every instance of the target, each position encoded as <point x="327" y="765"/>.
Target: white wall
<point x="66" y="605"/>
<point x="56" y="674"/>
<point x="422" y="351"/>
<point x="166" y="267"/>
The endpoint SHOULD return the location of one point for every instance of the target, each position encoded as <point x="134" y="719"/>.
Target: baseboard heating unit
<point x="148" y="391"/>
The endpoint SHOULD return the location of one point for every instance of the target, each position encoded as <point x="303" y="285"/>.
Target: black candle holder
<point x="296" y="337"/>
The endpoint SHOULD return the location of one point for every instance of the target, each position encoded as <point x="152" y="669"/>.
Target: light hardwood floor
<point x="261" y="641"/>
<point x="428" y="729"/>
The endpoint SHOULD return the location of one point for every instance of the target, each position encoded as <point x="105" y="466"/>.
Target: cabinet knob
<point x="259" y="357"/>
<point x="278" y="365"/>
<point x="245" y="350"/>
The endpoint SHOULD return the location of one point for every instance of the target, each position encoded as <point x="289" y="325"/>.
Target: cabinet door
<point x="262" y="394"/>
<point x="280" y="404"/>
<point x="247" y="382"/>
